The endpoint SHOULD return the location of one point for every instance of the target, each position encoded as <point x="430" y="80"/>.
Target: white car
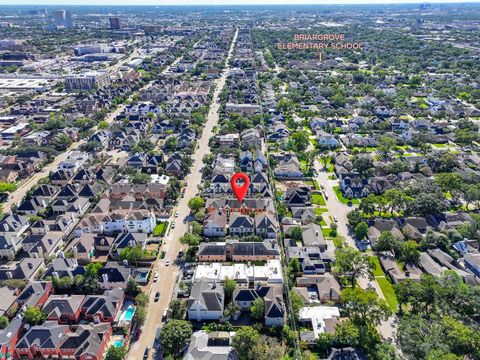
<point x="155" y="278"/>
<point x="173" y="225"/>
<point x="176" y="214"/>
<point x="167" y="263"/>
<point x="335" y="219"/>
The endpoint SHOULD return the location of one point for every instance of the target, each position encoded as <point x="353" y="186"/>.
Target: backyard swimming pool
<point x="118" y="343"/>
<point x="127" y="315"/>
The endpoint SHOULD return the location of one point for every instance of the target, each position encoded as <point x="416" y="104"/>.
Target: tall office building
<point x="115" y="23"/>
<point x="63" y="18"/>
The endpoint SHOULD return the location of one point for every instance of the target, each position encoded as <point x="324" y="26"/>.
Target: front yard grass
<point x="159" y="229"/>
<point x="317" y="199"/>
<point x="388" y="292"/>
<point x="319" y="211"/>
<point x="341" y="198"/>
<point x="384" y="284"/>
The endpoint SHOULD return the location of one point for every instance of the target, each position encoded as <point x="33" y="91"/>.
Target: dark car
<point x="157" y="296"/>
<point x="147" y="351"/>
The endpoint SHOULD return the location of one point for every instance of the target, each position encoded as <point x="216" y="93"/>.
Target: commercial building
<point x="87" y="81"/>
<point x="115" y="22"/>
<point x="63" y="18"/>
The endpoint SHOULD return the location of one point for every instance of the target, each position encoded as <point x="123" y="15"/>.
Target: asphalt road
<point x="168" y="274"/>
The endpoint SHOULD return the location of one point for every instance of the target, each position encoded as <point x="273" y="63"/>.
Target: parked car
<point x="157" y="296"/>
<point x="146" y="352"/>
<point x="165" y="315"/>
<point x="155" y="277"/>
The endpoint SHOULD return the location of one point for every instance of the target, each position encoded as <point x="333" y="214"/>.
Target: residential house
<point x="210" y="346"/>
<point x="266" y="226"/>
<point x="240" y="225"/>
<point x="9" y="337"/>
<point x="41" y="341"/>
<point x="215" y="224"/>
<point x="65" y="309"/>
<point x="12" y="228"/>
<point x="113" y="276"/>
<point x="103" y="308"/>
<point x="206" y="301"/>
<point x="86" y="341"/>
<point x="35" y="294"/>
<point x="24" y="269"/>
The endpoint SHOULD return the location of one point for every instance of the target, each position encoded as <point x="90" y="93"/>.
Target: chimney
<point x="104" y="278"/>
<point x="9" y="275"/>
<point x="330" y="293"/>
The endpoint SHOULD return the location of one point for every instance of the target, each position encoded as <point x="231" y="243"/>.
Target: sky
<point x="215" y="2"/>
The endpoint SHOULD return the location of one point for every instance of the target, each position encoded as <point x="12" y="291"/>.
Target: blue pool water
<point x="128" y="314"/>
<point x="118" y="343"/>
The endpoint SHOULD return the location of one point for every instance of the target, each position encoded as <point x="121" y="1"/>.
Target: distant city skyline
<point x="222" y="2"/>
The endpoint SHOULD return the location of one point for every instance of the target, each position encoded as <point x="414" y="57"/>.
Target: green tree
<point x="4" y="322"/>
<point x="142" y="299"/>
<point x="363" y="165"/>
<point x="190" y="239"/>
<point x="257" y="310"/>
<point x="385" y="145"/>
<point x="364" y="307"/>
<point x="296" y="233"/>
<point x="229" y="287"/>
<point x="140" y="315"/>
<point x="409" y="252"/>
<point x="352" y="264"/>
<point x="297" y="303"/>
<point x="299" y="141"/>
<point x="347" y="334"/>
<point x="245" y="341"/>
<point x="175" y="336"/>
<point x="388" y="242"/>
<point x="196" y="203"/>
<point x="116" y="353"/>
<point x="177" y="309"/>
<point x="361" y="230"/>
<point x="295" y="265"/>
<point x="132" y="288"/>
<point x="34" y="316"/>
<point x="133" y="254"/>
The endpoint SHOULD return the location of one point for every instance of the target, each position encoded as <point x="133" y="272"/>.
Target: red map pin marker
<point x="240" y="190"/>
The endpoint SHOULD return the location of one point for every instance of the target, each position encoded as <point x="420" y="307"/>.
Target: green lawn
<point x="317" y="199"/>
<point x="385" y="285"/>
<point x="326" y="232"/>
<point x="377" y="271"/>
<point x="159" y="229"/>
<point x="319" y="211"/>
<point x="388" y="292"/>
<point x="341" y="198"/>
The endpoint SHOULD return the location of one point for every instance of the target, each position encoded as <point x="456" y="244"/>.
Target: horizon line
<point x="235" y="3"/>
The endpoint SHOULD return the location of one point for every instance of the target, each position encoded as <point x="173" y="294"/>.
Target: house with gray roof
<point x="206" y="301"/>
<point x="266" y="226"/>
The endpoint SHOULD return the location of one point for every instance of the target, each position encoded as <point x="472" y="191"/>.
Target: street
<point x="168" y="274"/>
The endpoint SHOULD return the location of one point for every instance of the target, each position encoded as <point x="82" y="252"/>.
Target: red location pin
<point x="240" y="190"/>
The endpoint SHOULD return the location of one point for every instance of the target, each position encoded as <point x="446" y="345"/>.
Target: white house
<point x="206" y="301"/>
<point x="136" y="221"/>
<point x="326" y="140"/>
